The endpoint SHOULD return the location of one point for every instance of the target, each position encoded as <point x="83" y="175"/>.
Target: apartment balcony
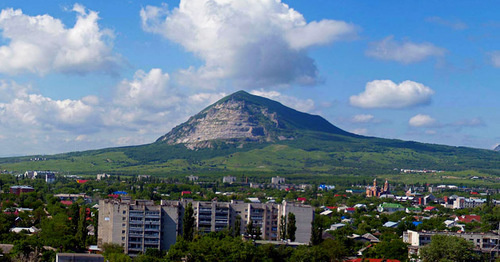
<point x="204" y="222"/>
<point x="256" y="218"/>
<point x="136" y="214"/>
<point x="205" y="217"/>
<point x="204" y="210"/>
<point x="221" y="222"/>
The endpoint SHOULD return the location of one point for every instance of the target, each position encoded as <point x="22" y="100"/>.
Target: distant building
<point x="192" y="178"/>
<point x="375" y="191"/>
<point x="390" y="207"/>
<point x="104" y="175"/>
<point x="78" y="257"/>
<point x="229" y="179"/>
<point x="48" y="176"/>
<point x="17" y="190"/>
<point x="277" y="180"/>
<point x="326" y="187"/>
<point x="462" y="202"/>
<point x="74" y="197"/>
<point x="483" y="242"/>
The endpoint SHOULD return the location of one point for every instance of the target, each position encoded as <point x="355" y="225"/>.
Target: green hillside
<point x="318" y="148"/>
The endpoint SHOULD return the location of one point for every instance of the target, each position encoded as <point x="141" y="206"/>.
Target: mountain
<point x="241" y="118"/>
<point x="248" y="134"/>
<point x="497" y="148"/>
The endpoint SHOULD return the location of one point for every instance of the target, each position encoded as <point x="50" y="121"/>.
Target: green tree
<point x="448" y="248"/>
<point x="394" y="249"/>
<point x="291" y="227"/>
<point x="81" y="233"/>
<point x="318" y="224"/>
<point x="188" y="223"/>
<point x="282" y="227"/>
<point x="237" y="226"/>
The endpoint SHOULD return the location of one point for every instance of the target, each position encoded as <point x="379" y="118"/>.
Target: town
<point x="146" y="218"/>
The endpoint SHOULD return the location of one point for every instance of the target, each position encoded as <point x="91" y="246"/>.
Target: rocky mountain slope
<point x="241" y="118"/>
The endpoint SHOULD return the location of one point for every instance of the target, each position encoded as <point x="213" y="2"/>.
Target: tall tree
<point x="448" y="248"/>
<point x="81" y="233"/>
<point x="291" y="227"/>
<point x="250" y="229"/>
<point x="188" y="223"/>
<point x="282" y="227"/>
<point x="318" y="225"/>
<point x="237" y="226"/>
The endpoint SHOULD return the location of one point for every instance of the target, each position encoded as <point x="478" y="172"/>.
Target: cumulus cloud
<point x="453" y="24"/>
<point x="387" y="94"/>
<point x="145" y="107"/>
<point x="421" y="120"/>
<point x="255" y="42"/>
<point x="26" y="108"/>
<point x="304" y="105"/>
<point x="41" y="44"/>
<point x="495" y="58"/>
<point x="403" y="52"/>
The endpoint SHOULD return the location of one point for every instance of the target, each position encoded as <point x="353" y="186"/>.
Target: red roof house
<point x="468" y="218"/>
<point x="430" y="208"/>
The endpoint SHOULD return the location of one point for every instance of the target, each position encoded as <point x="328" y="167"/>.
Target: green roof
<point x="391" y="205"/>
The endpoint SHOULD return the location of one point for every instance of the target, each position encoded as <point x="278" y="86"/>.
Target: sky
<point x="94" y="74"/>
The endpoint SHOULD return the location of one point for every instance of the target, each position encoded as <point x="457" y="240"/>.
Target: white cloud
<point x="304" y="105"/>
<point x="387" y="94"/>
<point x="26" y="109"/>
<point x="421" y="120"/>
<point x="145" y="107"/>
<point x="41" y="44"/>
<point x="405" y="52"/>
<point x="495" y="58"/>
<point x="255" y="42"/>
<point x="360" y="131"/>
<point x="363" y="118"/>
<point x="455" y="24"/>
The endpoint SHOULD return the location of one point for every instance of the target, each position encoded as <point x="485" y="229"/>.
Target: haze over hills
<point x="248" y="133"/>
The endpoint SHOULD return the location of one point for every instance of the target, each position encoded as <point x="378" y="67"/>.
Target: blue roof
<point x="416" y="223"/>
<point x="120" y="193"/>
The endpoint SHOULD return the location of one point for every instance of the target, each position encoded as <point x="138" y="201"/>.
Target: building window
<point x="123" y="231"/>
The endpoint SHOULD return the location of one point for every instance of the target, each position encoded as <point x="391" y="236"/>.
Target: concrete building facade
<point x="483" y="242"/>
<point x="140" y="224"/>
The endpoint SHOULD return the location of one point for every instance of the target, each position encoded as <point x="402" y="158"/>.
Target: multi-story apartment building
<point x="140" y="224"/>
<point x="483" y="242"/>
<point x="462" y="202"/>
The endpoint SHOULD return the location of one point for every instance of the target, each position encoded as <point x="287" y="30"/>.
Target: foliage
<point x="188" y="221"/>
<point x="393" y="249"/>
<point x="448" y="248"/>
<point x="291" y="227"/>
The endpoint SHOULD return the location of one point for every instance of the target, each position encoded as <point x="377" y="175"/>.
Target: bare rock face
<point x="497" y="148"/>
<point x="231" y="119"/>
<point x="242" y="118"/>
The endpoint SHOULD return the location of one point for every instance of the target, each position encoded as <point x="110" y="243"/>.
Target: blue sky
<point x="93" y="74"/>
